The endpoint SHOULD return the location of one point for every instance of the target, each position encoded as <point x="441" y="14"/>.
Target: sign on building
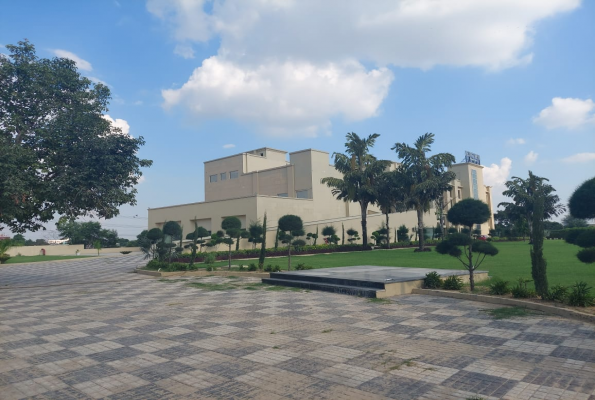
<point x="472" y="158"/>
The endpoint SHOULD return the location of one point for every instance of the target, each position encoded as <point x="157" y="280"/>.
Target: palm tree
<point x="391" y="197"/>
<point x="523" y="194"/>
<point x="360" y="172"/>
<point x="425" y="179"/>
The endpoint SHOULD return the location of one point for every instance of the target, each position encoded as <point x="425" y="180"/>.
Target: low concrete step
<point x="324" y="286"/>
<point x="328" y="280"/>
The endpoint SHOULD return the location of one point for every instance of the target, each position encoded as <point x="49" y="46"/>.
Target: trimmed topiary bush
<point x="586" y="238"/>
<point x="587" y="255"/>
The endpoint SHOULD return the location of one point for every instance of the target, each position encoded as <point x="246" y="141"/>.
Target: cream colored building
<point x="247" y="185"/>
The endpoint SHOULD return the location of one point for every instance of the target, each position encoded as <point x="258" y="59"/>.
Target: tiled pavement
<point x="141" y="338"/>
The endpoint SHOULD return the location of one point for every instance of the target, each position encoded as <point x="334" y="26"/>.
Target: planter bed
<point x="587" y="314"/>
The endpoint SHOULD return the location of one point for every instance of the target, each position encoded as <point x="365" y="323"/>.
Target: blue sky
<point x="511" y="81"/>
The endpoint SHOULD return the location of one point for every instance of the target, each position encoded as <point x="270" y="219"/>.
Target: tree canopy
<point x="469" y="212"/>
<point x="582" y="201"/>
<point x="58" y="154"/>
<point x="86" y="233"/>
<point x="523" y="195"/>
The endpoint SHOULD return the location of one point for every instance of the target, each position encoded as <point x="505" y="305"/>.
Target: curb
<point x="562" y="312"/>
<point x="203" y="273"/>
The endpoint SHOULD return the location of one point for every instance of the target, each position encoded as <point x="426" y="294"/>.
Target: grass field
<point x="512" y="262"/>
<point x="30" y="259"/>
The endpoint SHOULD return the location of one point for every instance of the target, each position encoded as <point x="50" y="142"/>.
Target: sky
<point x="510" y="80"/>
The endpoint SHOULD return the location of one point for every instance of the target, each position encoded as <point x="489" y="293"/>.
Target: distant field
<point x="512" y="262"/>
<point x="30" y="259"/>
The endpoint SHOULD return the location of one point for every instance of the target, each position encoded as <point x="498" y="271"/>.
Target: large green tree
<point x="86" y="233"/>
<point x="523" y="195"/>
<point x="572" y="222"/>
<point x="58" y="154"/>
<point x="424" y="178"/>
<point x="361" y="171"/>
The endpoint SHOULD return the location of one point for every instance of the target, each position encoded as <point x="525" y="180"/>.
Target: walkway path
<point x="145" y="338"/>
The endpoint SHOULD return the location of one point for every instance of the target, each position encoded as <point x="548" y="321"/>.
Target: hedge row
<point x="570" y="234"/>
<point x="282" y="251"/>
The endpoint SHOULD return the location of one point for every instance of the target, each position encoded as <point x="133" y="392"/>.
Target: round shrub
<point x="587" y="255"/>
<point x="582" y="201"/>
<point x="586" y="238"/>
<point x="573" y="233"/>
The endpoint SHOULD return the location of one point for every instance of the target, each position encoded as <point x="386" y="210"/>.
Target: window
<point x="282" y="195"/>
<point x="213" y="178"/>
<point x="262" y="154"/>
<point x="301" y="194"/>
<point x="474" y="184"/>
<point x="233" y="175"/>
<point x="459" y="194"/>
<point x="223" y="176"/>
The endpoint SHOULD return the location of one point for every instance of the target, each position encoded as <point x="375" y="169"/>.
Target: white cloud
<point x="265" y="45"/>
<point x="97" y="80"/>
<point x="421" y="33"/>
<point x="118" y="123"/>
<point x="580" y="158"/>
<point x="567" y="113"/>
<point x="229" y="146"/>
<point x="80" y="63"/>
<point x="141" y="179"/>
<point x="496" y="176"/>
<point x="531" y="157"/>
<point x="516" y="141"/>
<point x="184" y="50"/>
<point x="284" y="98"/>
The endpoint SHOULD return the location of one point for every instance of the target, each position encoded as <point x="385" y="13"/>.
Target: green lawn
<point x="30" y="259"/>
<point x="512" y="262"/>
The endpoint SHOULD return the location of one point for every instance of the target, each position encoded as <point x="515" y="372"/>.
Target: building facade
<point x="247" y="185"/>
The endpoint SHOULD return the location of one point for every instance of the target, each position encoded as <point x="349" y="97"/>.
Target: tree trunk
<point x="471" y="266"/>
<point x="364" y="210"/>
<point x="538" y="262"/>
<point x="289" y="257"/>
<point x="387" y="233"/>
<point x="264" y="241"/>
<point x="420" y="228"/>
<point x="229" y="258"/>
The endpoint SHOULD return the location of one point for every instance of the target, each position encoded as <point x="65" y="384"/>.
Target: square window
<point x="233" y="175"/>
<point x="213" y="178"/>
<point x="223" y="176"/>
<point x="301" y="194"/>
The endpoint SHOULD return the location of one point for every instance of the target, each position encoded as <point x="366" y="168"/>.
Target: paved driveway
<point x="145" y="338"/>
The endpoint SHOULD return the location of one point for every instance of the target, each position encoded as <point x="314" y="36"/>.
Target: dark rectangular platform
<point x="365" y="280"/>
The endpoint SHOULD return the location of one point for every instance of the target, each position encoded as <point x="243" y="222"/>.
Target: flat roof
<point x="251" y="152"/>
